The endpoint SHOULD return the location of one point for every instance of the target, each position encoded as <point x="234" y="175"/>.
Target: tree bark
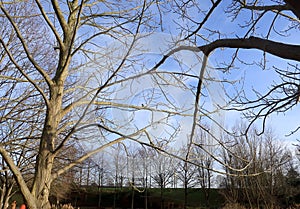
<point x="44" y="163"/>
<point x="18" y="176"/>
<point x="45" y="158"/>
<point x="42" y="182"/>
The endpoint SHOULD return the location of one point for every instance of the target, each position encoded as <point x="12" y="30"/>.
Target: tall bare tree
<point x="60" y="39"/>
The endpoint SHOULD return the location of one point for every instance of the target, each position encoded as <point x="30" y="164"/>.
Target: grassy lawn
<point x="196" y="197"/>
<point x="119" y="197"/>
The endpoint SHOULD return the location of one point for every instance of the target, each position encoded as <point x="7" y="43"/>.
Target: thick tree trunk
<point x="45" y="158"/>
<point x="42" y="184"/>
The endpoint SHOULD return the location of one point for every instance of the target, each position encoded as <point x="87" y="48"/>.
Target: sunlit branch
<point x="48" y="21"/>
<point x="17" y="173"/>
<point x="119" y="67"/>
<point x="97" y="150"/>
<point x="60" y="16"/>
<point x="196" y="105"/>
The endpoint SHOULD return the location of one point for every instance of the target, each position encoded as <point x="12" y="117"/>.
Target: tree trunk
<point x="161" y="197"/>
<point x="185" y="186"/>
<point x="42" y="183"/>
<point x="6" y="192"/>
<point x="45" y="158"/>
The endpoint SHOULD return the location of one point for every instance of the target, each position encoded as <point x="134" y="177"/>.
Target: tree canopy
<point x="99" y="73"/>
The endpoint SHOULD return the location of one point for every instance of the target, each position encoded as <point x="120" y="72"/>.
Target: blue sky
<point x="153" y="47"/>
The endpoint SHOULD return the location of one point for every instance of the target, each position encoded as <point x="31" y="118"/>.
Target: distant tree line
<point x="260" y="171"/>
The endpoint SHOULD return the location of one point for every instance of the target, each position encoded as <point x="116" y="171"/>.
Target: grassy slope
<point x="196" y="197"/>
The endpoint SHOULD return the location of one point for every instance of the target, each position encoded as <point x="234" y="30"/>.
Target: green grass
<point x="121" y="197"/>
<point x="196" y="197"/>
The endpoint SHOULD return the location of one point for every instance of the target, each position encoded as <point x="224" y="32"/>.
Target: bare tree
<point x="266" y="155"/>
<point x="144" y="166"/>
<point x="186" y="172"/>
<point x="118" y="166"/>
<point x="163" y="170"/>
<point x="60" y="40"/>
<point x="204" y="174"/>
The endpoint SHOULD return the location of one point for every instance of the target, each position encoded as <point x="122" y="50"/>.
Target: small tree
<point x="262" y="156"/>
<point x="162" y="172"/>
<point x="186" y="172"/>
<point x="205" y="161"/>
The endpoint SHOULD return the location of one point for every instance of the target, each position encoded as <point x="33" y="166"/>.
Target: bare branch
<point x="295" y="7"/>
<point x="282" y="50"/>
<point x="26" y="49"/>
